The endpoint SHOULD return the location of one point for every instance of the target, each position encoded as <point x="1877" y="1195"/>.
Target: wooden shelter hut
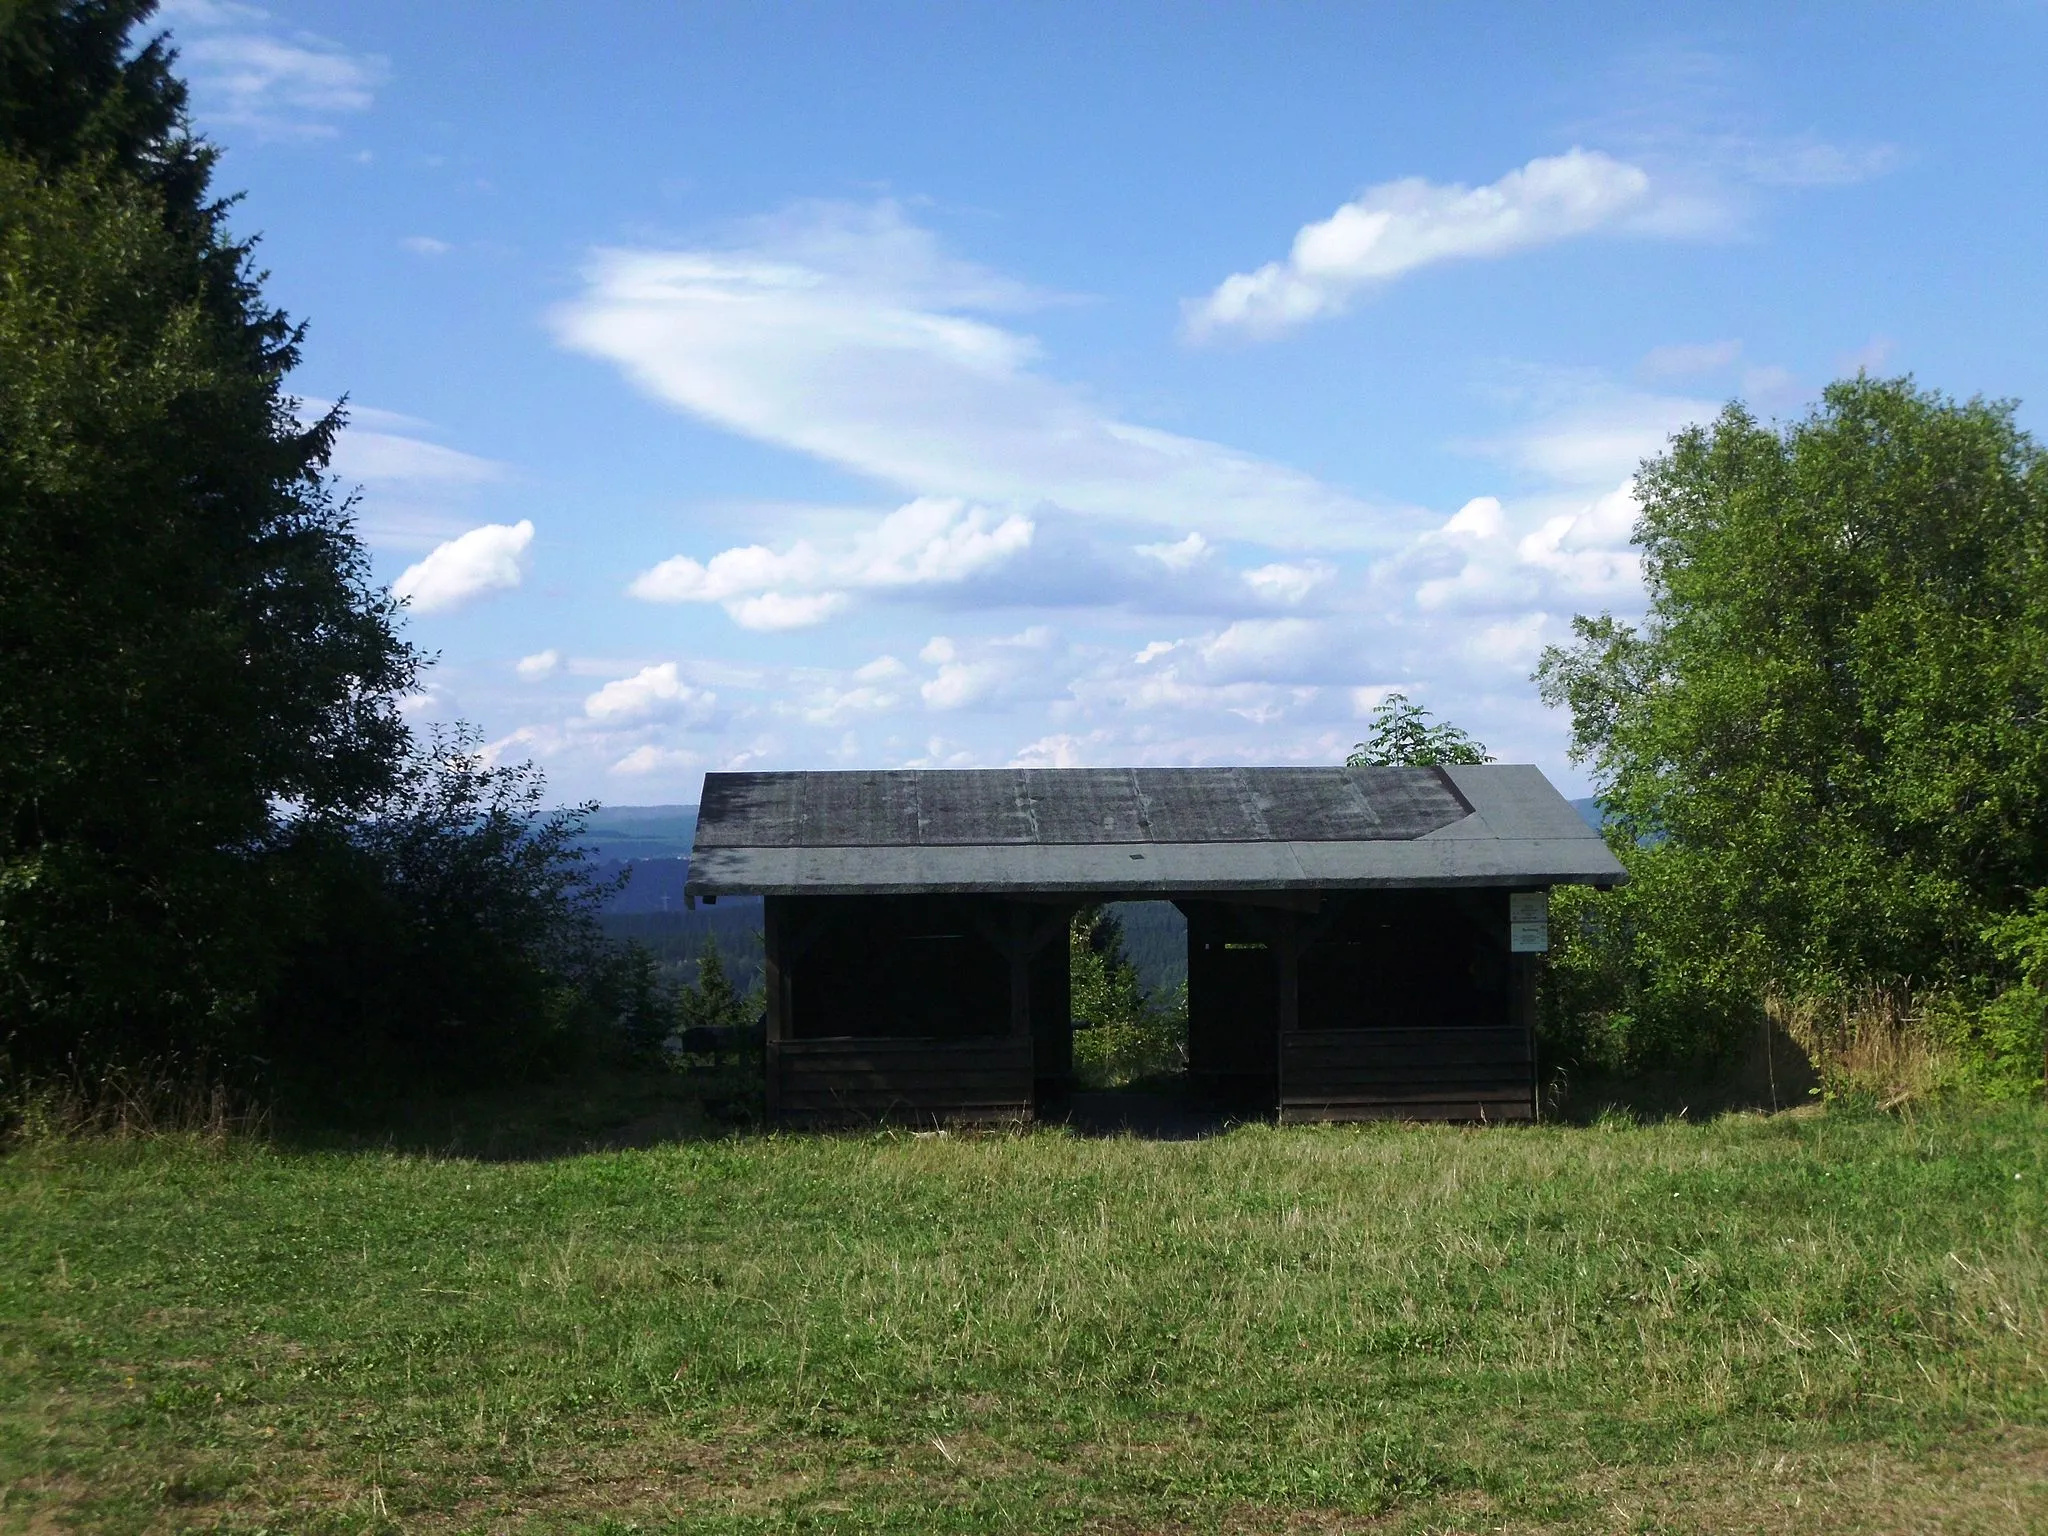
<point x="1360" y="940"/>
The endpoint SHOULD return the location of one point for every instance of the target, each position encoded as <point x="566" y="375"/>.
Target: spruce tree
<point x="191" y="651"/>
<point x="712" y="1002"/>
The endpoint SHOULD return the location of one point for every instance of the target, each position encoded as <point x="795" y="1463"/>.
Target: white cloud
<point x="426" y="245"/>
<point x="1180" y="556"/>
<point x="1000" y="668"/>
<point x="843" y="333"/>
<point x="829" y="706"/>
<point x="1689" y="357"/>
<point x="1396" y="227"/>
<point x="929" y="542"/>
<point x="1289" y="583"/>
<point x="649" y="758"/>
<point x="653" y="691"/>
<point x="1266" y="649"/>
<point x="1513" y="644"/>
<point x="876" y="688"/>
<point x="957" y="686"/>
<point x="1871" y="357"/>
<point x="1061" y="750"/>
<point x="540" y="664"/>
<point x="1483" y="561"/>
<point x="487" y="559"/>
<point x="248" y="72"/>
<point x="1770" y="385"/>
<point x="531" y="738"/>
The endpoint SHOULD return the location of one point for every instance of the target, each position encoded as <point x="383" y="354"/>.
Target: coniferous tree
<point x="191" y="650"/>
<point x="712" y="1001"/>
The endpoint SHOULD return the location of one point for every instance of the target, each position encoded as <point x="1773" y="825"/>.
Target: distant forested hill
<point x="621" y="833"/>
<point x="650" y="844"/>
<point x="650" y="841"/>
<point x="676" y="938"/>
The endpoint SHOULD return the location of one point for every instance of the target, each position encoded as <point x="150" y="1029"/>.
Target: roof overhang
<point x="1520" y="834"/>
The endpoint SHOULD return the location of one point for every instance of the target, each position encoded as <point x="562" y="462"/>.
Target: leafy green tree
<point x="190" y="646"/>
<point x="1129" y="1033"/>
<point x="1825" y="752"/>
<point x="1403" y="735"/>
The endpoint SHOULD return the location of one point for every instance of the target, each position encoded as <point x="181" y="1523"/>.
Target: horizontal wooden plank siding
<point x="1410" y="1074"/>
<point x="853" y="1081"/>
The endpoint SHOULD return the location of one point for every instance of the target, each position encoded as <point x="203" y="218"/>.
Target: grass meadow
<point x="1825" y="1322"/>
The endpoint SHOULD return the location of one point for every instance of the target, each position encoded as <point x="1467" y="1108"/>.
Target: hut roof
<point x="1138" y="831"/>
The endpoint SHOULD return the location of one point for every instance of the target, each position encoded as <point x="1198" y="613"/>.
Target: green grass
<point x="1807" y="1322"/>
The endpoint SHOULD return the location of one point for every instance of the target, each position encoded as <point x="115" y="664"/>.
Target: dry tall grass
<point x="1878" y="1043"/>
<point x="127" y="1103"/>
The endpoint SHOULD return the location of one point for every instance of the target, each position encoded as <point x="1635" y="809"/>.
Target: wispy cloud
<point x="1813" y="162"/>
<point x="1683" y="358"/>
<point x="846" y="333"/>
<point x="1398" y="227"/>
<point x="415" y="489"/>
<point x="248" y="71"/>
<point x="1580" y="432"/>
<point x="1181" y="555"/>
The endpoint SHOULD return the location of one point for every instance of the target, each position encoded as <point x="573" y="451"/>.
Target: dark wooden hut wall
<point x="1379" y="1004"/>
<point x="925" y="1009"/>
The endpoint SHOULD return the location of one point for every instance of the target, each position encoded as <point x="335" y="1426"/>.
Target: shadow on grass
<point x="596" y="1109"/>
<point x="1164" y="1108"/>
<point x="1773" y="1076"/>
<point x="616" y="1107"/>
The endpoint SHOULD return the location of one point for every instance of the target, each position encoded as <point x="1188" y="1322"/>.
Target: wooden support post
<point x="1522" y="1005"/>
<point x="774" y="919"/>
<point x="1285" y="928"/>
<point x="1018" y="950"/>
<point x="1019" y="930"/>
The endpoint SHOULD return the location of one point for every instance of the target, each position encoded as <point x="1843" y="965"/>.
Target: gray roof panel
<point x="1155" y="831"/>
<point x="999" y="806"/>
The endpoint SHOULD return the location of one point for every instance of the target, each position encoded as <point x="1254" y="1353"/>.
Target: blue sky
<point x="885" y="385"/>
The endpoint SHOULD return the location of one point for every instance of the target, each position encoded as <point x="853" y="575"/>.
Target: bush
<point x="450" y="939"/>
<point x="1623" y="990"/>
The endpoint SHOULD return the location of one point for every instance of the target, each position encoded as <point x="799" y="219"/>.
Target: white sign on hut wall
<point x="1528" y="922"/>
